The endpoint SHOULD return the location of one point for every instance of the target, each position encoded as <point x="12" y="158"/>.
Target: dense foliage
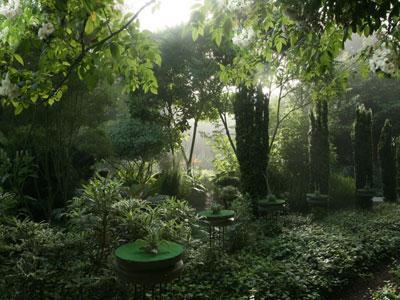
<point x="307" y="261"/>
<point x="100" y="145"/>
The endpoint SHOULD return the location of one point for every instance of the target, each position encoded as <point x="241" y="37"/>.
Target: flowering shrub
<point x="11" y="10"/>
<point x="383" y="60"/>
<point x="45" y="31"/>
<point x="8" y="89"/>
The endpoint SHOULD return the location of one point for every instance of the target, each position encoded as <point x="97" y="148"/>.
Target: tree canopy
<point x="44" y="42"/>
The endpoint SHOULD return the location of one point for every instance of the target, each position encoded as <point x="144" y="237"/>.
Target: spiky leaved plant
<point x="387" y="159"/>
<point x="363" y="147"/>
<point x="319" y="147"/>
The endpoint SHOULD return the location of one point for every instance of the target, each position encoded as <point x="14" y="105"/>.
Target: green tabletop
<point x="271" y="203"/>
<point x="317" y="196"/>
<point x="222" y="214"/>
<point x="134" y="252"/>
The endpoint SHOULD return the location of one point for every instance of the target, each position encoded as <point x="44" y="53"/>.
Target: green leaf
<point x="153" y="90"/>
<point x="19" y="58"/>
<point x="89" y="26"/>
<point x="325" y="58"/>
<point x="114" y="50"/>
<point x="34" y="98"/>
<point x="195" y="34"/>
<point x="18" y="109"/>
<point x="217" y="36"/>
<point x="278" y="46"/>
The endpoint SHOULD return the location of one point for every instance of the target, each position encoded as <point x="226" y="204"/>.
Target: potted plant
<point x="150" y="254"/>
<point x="216" y="214"/>
<point x="152" y="241"/>
<point x="216" y="208"/>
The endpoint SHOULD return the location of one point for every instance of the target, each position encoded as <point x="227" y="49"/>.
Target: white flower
<point x="8" y="89"/>
<point x="382" y="60"/>
<point x="4" y="33"/>
<point x="11" y="10"/>
<point x="244" y="38"/>
<point x="238" y="5"/>
<point x="45" y="31"/>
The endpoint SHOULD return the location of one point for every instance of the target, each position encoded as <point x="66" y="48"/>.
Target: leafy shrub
<point x="169" y="181"/>
<point x="135" y="139"/>
<point x="94" y="211"/>
<point x="137" y="176"/>
<point x="8" y="203"/>
<point x="228" y="194"/>
<point x="243" y="232"/>
<point x="389" y="291"/>
<point x="226" y="179"/>
<point x="39" y="262"/>
<point x="341" y="191"/>
<point x="14" y="175"/>
<point x="193" y="190"/>
<point x="225" y="160"/>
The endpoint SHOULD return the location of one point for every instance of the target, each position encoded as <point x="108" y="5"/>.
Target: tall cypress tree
<point x="398" y="163"/>
<point x="252" y="116"/>
<point x="363" y="147"/>
<point x="319" y="147"/>
<point x="386" y="151"/>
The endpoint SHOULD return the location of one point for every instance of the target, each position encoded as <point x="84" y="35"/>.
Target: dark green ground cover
<point x="307" y="260"/>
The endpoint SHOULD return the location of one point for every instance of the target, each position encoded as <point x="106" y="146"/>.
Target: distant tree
<point x="363" y="147"/>
<point x="188" y="87"/>
<point x="319" y="147"/>
<point x="387" y="158"/>
<point x="252" y="116"/>
<point x="137" y="140"/>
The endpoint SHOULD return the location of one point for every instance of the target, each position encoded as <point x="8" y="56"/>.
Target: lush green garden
<point x="251" y="152"/>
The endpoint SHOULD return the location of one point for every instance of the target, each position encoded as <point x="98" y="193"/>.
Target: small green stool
<point x="216" y="222"/>
<point x="149" y="271"/>
<point x="271" y="210"/>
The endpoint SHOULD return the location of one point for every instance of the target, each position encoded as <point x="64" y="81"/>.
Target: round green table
<point x="317" y="200"/>
<point x="146" y="270"/>
<point x="217" y="221"/>
<point x="364" y="197"/>
<point x="272" y="209"/>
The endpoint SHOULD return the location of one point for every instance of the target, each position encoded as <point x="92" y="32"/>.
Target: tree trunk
<point x="189" y="161"/>
<point x="227" y="132"/>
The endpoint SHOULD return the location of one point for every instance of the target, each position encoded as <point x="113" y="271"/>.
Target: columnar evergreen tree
<point x="386" y="153"/>
<point x="363" y="147"/>
<point x="398" y="162"/>
<point x="252" y="117"/>
<point x="319" y="147"/>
